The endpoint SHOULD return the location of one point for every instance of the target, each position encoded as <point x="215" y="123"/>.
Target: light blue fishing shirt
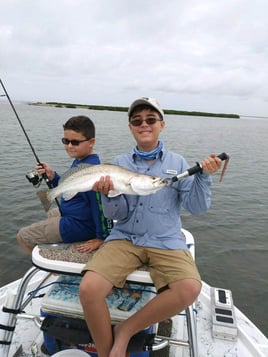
<point x="154" y="220"/>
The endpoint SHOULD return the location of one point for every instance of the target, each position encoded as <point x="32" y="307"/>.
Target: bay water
<point x="231" y="239"/>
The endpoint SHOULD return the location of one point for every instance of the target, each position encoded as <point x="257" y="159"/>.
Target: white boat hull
<point x="28" y="337"/>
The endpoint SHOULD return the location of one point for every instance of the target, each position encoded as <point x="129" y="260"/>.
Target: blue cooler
<point x="64" y="315"/>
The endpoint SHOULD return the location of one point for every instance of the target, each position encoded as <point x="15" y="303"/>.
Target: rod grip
<point x="223" y="156"/>
<point x="197" y="168"/>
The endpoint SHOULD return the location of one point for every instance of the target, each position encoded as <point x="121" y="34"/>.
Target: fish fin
<point x="69" y="195"/>
<point x="44" y="200"/>
<point x="138" y="190"/>
<point x="113" y="193"/>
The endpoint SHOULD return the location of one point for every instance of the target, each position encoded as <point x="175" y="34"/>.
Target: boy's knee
<point x="84" y="289"/>
<point x="19" y="239"/>
<point x="193" y="292"/>
<point x="187" y="291"/>
<point x="87" y="289"/>
<point x="93" y="288"/>
<point x="196" y="290"/>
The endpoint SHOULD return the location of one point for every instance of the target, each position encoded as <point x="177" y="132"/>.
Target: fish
<point x="83" y="177"/>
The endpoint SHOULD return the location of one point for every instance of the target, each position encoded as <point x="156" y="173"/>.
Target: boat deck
<point x="28" y="337"/>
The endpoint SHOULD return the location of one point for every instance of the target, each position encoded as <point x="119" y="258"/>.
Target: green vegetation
<point x="124" y="109"/>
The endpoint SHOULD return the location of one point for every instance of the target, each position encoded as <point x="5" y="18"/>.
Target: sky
<point x="194" y="55"/>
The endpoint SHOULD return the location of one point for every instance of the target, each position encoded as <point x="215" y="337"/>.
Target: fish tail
<point x="44" y="199"/>
<point x="51" y="194"/>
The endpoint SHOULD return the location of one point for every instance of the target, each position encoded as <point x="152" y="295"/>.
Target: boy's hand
<point x="104" y="185"/>
<point x="89" y="246"/>
<point x="44" y="168"/>
<point x="211" y="164"/>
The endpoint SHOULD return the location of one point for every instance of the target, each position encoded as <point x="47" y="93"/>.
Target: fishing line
<point x="44" y="176"/>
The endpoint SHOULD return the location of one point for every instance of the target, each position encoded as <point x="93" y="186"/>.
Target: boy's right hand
<point x="104" y="185"/>
<point x="44" y="168"/>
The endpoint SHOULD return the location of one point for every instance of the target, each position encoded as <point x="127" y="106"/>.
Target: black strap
<point x="11" y="311"/>
<point x="7" y="328"/>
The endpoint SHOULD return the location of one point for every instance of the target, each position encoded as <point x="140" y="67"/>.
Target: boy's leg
<point x="174" y="274"/>
<point x="42" y="232"/>
<point x="53" y="212"/>
<point x="168" y="303"/>
<point x="113" y="262"/>
<point x="23" y="245"/>
<point x="109" y="267"/>
<point x="93" y="291"/>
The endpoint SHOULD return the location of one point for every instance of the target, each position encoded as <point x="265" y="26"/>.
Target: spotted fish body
<point x="83" y="177"/>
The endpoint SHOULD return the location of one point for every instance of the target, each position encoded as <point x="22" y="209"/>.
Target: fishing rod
<point x="198" y="168"/>
<point x="32" y="176"/>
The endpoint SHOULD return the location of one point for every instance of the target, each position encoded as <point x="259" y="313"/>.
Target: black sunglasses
<point x="73" y="142"/>
<point x="149" y="121"/>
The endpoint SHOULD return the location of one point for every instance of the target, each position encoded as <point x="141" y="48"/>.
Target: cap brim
<point x="142" y="101"/>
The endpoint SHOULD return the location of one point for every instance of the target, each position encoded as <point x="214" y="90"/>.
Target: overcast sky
<point x="203" y="55"/>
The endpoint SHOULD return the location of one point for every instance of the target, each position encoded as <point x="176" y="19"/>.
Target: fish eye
<point x="156" y="179"/>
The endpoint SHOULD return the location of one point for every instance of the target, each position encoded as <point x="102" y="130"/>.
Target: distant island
<point x="125" y="109"/>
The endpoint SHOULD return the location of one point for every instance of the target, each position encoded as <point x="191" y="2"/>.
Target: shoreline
<point x="125" y="109"/>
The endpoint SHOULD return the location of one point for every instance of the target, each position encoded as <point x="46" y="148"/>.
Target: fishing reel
<point x="33" y="177"/>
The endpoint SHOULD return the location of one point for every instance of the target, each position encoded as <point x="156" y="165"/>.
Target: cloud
<point x="103" y="52"/>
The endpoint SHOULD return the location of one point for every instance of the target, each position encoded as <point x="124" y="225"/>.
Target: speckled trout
<point x="83" y="177"/>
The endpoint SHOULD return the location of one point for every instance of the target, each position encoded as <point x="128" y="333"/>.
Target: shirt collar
<point x="159" y="156"/>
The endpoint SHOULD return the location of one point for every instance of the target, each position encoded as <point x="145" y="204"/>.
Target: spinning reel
<point x="33" y="177"/>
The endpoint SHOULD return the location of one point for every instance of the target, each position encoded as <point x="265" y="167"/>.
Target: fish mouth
<point x="159" y="181"/>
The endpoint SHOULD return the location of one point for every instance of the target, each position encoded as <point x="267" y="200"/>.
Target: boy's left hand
<point x="89" y="246"/>
<point x="211" y="164"/>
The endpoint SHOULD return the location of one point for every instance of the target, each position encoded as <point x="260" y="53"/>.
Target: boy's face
<point x="146" y="135"/>
<point x="80" y="151"/>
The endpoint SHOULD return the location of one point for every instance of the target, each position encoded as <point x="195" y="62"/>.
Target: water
<point x="231" y="240"/>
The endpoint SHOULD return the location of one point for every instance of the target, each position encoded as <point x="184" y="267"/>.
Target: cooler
<point x="64" y="326"/>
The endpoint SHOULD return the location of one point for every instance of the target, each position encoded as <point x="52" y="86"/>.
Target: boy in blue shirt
<point x="148" y="231"/>
<point x="81" y="217"/>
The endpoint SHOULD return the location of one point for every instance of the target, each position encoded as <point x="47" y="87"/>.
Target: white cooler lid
<point x="63" y="299"/>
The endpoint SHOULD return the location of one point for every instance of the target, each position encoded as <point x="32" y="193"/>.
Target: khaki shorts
<point x="116" y="259"/>
<point x="42" y="232"/>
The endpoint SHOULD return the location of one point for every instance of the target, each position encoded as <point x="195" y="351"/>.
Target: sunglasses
<point x="73" y="142"/>
<point x="149" y="121"/>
